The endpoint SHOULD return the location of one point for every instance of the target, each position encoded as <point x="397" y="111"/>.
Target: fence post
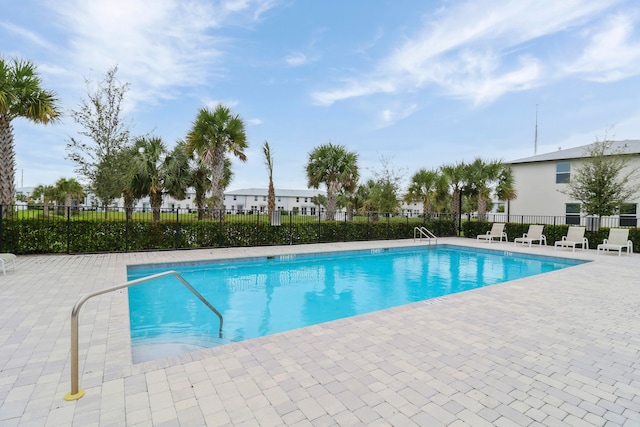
<point x="290" y="229"/>
<point x="177" y="227"/>
<point x="318" y="233"/>
<point x="220" y="239"/>
<point x="126" y="228"/>
<point x="345" y="227"/>
<point x="68" y="230"/>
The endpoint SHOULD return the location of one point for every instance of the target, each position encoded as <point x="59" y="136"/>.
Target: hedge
<point x="26" y="236"/>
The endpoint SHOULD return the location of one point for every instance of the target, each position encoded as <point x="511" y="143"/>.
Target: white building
<point x="255" y="200"/>
<point x="540" y="180"/>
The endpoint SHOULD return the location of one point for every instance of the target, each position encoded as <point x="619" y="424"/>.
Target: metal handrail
<point x="423" y="231"/>
<point x="75" y="392"/>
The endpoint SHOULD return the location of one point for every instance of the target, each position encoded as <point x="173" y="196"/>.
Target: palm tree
<point x="213" y="135"/>
<point x="426" y="186"/>
<point x="125" y="162"/>
<point x="21" y="95"/>
<point x="177" y="173"/>
<point x="48" y="193"/>
<point x="148" y="175"/>
<point x="69" y="190"/>
<point x="271" y="193"/>
<point x="455" y="175"/>
<point x="506" y="188"/>
<point x="335" y="167"/>
<point x="483" y="175"/>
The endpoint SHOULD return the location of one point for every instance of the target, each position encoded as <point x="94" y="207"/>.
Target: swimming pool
<point x="262" y="296"/>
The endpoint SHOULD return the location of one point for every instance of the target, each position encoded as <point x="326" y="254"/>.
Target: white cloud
<point x="157" y="46"/>
<point x="296" y="59"/>
<point x="472" y="50"/>
<point x="25" y="34"/>
<point x="391" y="115"/>
<point x="612" y="53"/>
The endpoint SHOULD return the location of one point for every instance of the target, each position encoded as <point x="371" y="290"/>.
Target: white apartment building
<point x="540" y="180"/>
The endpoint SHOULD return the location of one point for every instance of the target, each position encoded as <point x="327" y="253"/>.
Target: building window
<point x="628" y="215"/>
<point x="305" y="199"/>
<point x="279" y="199"/>
<point x="573" y="213"/>
<point x="234" y="197"/>
<point x="255" y="198"/>
<point x="304" y="211"/>
<point x="297" y="199"/>
<point x="563" y="172"/>
<point x="264" y="198"/>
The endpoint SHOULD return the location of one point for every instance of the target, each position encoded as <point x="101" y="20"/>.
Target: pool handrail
<point x="75" y="392"/>
<point x="423" y="231"/>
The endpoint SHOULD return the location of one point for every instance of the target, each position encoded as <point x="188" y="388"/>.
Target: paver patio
<point x="562" y="348"/>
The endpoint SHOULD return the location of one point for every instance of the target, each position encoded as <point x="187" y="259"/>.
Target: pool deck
<point x="562" y="348"/>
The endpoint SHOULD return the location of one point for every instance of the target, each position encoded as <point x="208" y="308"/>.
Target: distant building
<point x="540" y="179"/>
<point x="255" y="200"/>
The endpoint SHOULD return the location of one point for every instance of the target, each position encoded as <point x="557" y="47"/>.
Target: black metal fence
<point x="71" y="229"/>
<point x="591" y="222"/>
<point x="67" y="229"/>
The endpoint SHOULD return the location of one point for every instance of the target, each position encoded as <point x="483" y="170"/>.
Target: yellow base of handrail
<point x="69" y="397"/>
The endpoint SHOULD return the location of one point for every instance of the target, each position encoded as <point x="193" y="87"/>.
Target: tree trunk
<point x="271" y="198"/>
<point x="7" y="164"/>
<point x="217" y="192"/>
<point x="482" y="208"/>
<point x="455" y="207"/>
<point x="155" y="199"/>
<point x="332" y="200"/>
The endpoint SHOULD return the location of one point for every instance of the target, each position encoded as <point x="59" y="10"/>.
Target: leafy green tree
<point x="177" y="173"/>
<point x="456" y="177"/>
<point x="427" y="186"/>
<point x="271" y="192"/>
<point x="46" y="193"/>
<point x="125" y="161"/>
<point x="506" y="187"/>
<point x="21" y="95"/>
<point x="335" y="167"/>
<point x="201" y="183"/>
<point x="148" y="173"/>
<point x="603" y="181"/>
<point x="69" y="190"/>
<point x="100" y="117"/>
<point x="483" y="176"/>
<point x="213" y="135"/>
<point x="320" y="200"/>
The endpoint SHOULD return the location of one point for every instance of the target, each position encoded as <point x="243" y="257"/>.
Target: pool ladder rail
<point x="420" y="232"/>
<point x="75" y="392"/>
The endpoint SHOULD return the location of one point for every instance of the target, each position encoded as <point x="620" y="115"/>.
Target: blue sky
<point x="419" y="83"/>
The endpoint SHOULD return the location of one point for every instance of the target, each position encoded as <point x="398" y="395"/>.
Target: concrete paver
<point x="555" y="349"/>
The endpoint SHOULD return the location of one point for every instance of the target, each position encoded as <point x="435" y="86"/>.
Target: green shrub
<point x="59" y="235"/>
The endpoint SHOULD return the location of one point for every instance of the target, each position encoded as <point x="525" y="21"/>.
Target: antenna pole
<point x="535" y="142"/>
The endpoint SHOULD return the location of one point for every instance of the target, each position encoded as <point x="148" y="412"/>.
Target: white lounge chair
<point x="4" y="259"/>
<point x="533" y="235"/>
<point x="496" y="232"/>
<point x="574" y="237"/>
<point x="617" y="241"/>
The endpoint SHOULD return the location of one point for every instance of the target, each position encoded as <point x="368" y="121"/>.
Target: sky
<point x="407" y="83"/>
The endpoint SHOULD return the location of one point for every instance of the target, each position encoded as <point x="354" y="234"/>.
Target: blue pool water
<point x="262" y="296"/>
